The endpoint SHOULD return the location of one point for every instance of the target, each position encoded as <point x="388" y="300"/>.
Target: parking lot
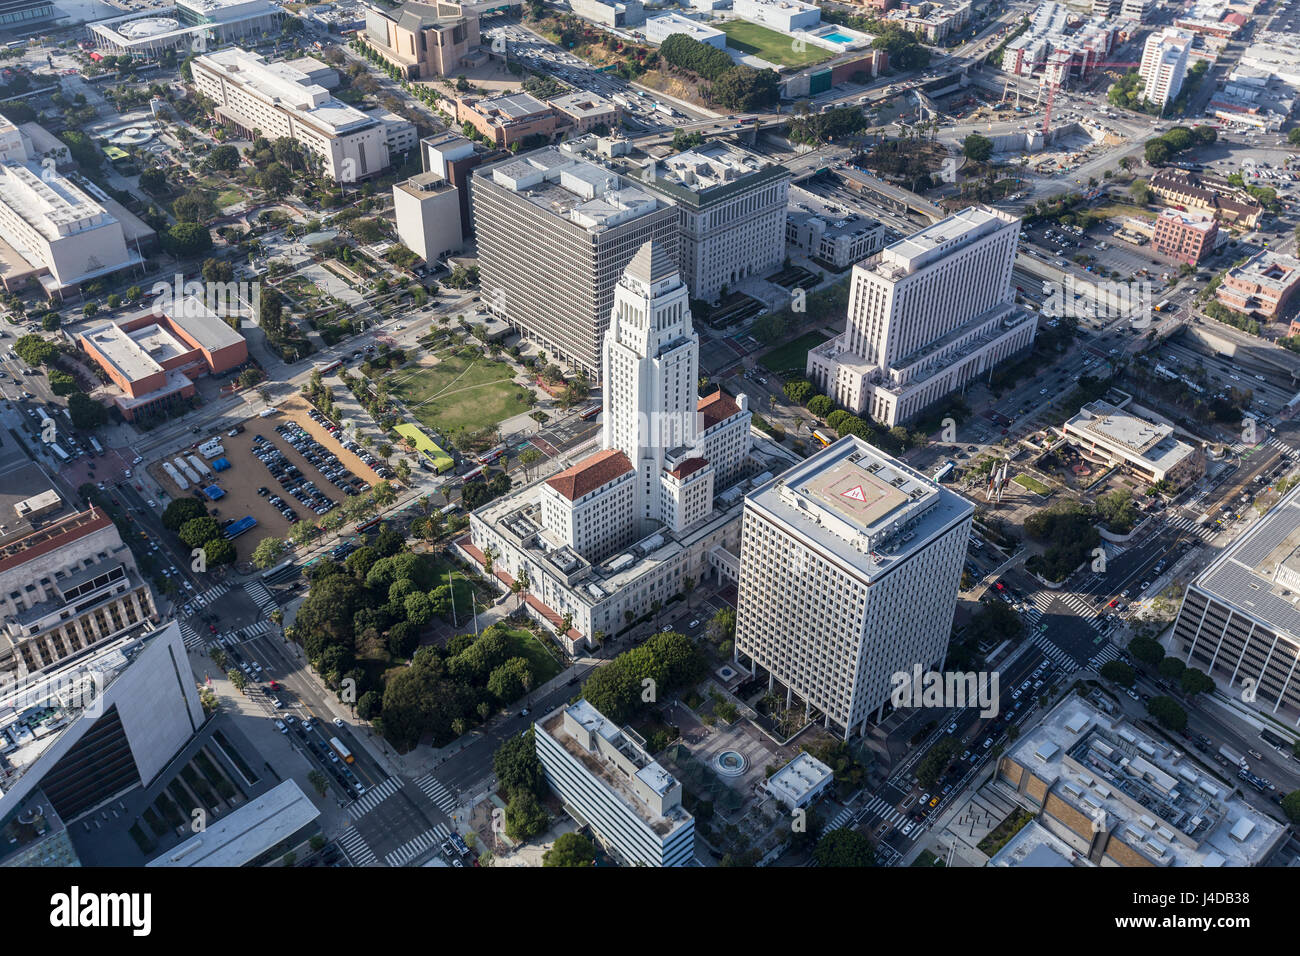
<point x="284" y="468"/>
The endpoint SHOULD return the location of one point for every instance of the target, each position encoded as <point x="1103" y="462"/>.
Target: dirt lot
<point x="247" y="474"/>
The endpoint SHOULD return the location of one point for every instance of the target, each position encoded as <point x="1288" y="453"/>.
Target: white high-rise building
<point x="1164" y="64"/>
<point x="850" y="563"/>
<point x="626" y="526"/>
<point x="926" y="316"/>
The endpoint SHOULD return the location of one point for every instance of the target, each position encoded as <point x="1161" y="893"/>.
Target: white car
<point x="136" y="460"/>
<point x="338" y="721"/>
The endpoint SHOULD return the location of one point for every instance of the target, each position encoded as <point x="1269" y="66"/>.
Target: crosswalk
<point x="1278" y="443"/>
<point x="1041" y="602"/>
<point x="1057" y="656"/>
<point x="374" y="796"/>
<point x="439" y="795"/>
<point x="204" y="598"/>
<point x="256" y="629"/>
<point x="1187" y="525"/>
<point x="408" y="851"/>
<point x="354" y="845"/>
<point x="1108" y="653"/>
<point x="840" y="819"/>
<point x="191" y="638"/>
<point x="880" y="807"/>
<point x="261" y="596"/>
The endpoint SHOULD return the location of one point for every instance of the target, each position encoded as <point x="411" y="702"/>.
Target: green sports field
<point x="769" y="45"/>
<point x="459" y="393"/>
<point x="792" y="355"/>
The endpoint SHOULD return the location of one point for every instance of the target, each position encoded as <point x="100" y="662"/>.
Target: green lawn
<point x="540" y="660"/>
<point x="769" y="45"/>
<point x="459" y="393"/>
<point x="792" y="355"/>
<point x="1033" y="484"/>
<point x="228" y="197"/>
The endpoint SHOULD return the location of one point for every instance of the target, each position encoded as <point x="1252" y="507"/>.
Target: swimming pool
<point x="837" y="37"/>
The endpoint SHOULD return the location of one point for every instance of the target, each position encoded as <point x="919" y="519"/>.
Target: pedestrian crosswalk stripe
<point x="261" y="596"/>
<point x="437" y="793"/>
<point x="374" y="796"/>
<point x="413" y="848"/>
<point x="354" y="845"/>
<point x="211" y="594"/>
<point x="190" y="637"/>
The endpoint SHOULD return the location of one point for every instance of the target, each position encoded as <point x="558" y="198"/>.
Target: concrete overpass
<point x="890" y="196"/>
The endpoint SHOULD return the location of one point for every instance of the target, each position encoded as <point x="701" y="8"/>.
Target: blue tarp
<point x="214" y="493"/>
<point x="236" y="528"/>
<point x="220" y="464"/>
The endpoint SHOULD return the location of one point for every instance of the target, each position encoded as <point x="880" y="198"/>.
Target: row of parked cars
<point x="324" y="460"/>
<point x="291" y="479"/>
<point x="335" y="429"/>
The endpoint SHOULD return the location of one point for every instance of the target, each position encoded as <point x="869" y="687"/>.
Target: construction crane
<point x="1052" y="79"/>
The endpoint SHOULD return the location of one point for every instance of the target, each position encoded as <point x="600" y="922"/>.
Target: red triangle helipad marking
<point x="856" y="493"/>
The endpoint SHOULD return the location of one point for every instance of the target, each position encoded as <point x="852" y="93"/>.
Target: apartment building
<point x="850" y="564"/>
<point x="64" y="588"/>
<point x="1185" y="237"/>
<point x="554" y="235"/>
<point x="731" y="214"/>
<point x="1164" y="64"/>
<point x="609" y="783"/>
<point x="927" y="315"/>
<point x="281" y="100"/>
<point x="1139" y="10"/>
<point x="425" y="40"/>
<point x="1264" y="286"/>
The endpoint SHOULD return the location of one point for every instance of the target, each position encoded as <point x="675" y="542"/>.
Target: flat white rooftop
<point x="284" y="86"/>
<point x="123" y="352"/>
<point x="51" y="204"/>
<point x="246" y="833"/>
<point x="865" y="507"/>
<point x="943" y="238"/>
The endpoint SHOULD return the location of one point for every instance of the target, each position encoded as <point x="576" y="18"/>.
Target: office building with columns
<point x="850" y="564"/>
<point x="66" y="587"/>
<point x="927" y="315"/>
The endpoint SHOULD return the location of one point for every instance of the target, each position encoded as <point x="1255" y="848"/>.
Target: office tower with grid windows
<point x="927" y="315"/>
<point x="850" y="563"/>
<point x="554" y="235"/>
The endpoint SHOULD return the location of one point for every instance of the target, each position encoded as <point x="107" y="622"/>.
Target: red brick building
<point x="1183" y="236"/>
<point x="154" y="358"/>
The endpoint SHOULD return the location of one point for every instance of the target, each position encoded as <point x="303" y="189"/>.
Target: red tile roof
<point x="52" y="537"/>
<point x="687" y="468"/>
<point x="717" y="407"/>
<point x="590" y="473"/>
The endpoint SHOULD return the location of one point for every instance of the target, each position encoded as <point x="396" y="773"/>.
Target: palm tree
<point x="688" y="585"/>
<point x="655" y="608"/>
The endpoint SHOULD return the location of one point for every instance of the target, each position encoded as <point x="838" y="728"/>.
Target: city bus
<point x="822" y="437"/>
<point x="327" y="367"/>
<point x="1162" y="305"/>
<point x="367" y="525"/>
<point x="471" y="475"/>
<point x="449" y="509"/>
<point x="94" y="443"/>
<point x="344" y="754"/>
<point x="492" y="455"/>
<point x="590" y="412"/>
